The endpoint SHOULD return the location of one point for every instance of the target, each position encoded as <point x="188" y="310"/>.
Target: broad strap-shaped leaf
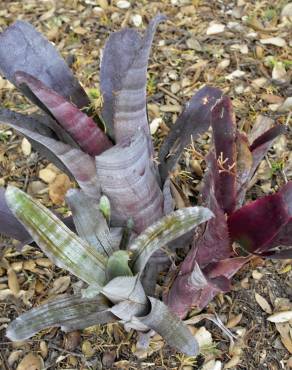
<point x="284" y="236"/>
<point x="170" y="327"/>
<point x="213" y="243"/>
<point x="259" y="222"/>
<point x="9" y="224"/>
<point x="130" y="299"/>
<point x="123" y="81"/>
<point x="224" y="134"/>
<point x="60" y="244"/>
<point x="117" y="265"/>
<point x="259" y="149"/>
<point x="69" y="312"/>
<point x="37" y="123"/>
<point x="81" y="127"/>
<point x="41" y="124"/>
<point x="79" y="164"/>
<point x="89" y="222"/>
<point x="194" y="120"/>
<point x="200" y="286"/>
<point x="125" y="288"/>
<point x="244" y="164"/>
<point x="126" y="177"/>
<point x="163" y="231"/>
<point x="23" y="48"/>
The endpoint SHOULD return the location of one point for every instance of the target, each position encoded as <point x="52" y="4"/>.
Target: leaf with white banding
<point x="170" y="227"/>
<point x="80" y="126"/>
<point x="69" y="312"/>
<point x="123" y="77"/>
<point x="60" y="244"/>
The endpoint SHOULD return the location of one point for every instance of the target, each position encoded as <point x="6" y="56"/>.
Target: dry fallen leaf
<point x="276" y="41"/>
<point x="60" y="285"/>
<point x="31" y="362"/>
<point x="58" y="188"/>
<point x="25" y="147"/>
<point x="215" y="28"/>
<point x="284" y="330"/>
<point x="279" y="317"/>
<point x="47" y="175"/>
<point x="263" y="303"/>
<point x="235" y="360"/>
<point x="234" y="321"/>
<point x="13" y="281"/>
<point x="87" y="349"/>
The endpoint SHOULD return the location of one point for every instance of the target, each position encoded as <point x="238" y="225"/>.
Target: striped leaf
<point x="123" y="80"/>
<point x="126" y="177"/>
<point x="80" y="126"/>
<point x="170" y="327"/>
<point x="69" y="312"/>
<point x="170" y="227"/>
<point x="60" y="244"/>
<point x="79" y="164"/>
<point x="194" y="120"/>
<point x="23" y="48"/>
<point x="89" y="222"/>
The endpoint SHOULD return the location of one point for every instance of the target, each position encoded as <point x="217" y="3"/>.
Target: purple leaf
<point x="123" y="81"/>
<point x="268" y="136"/>
<point x="42" y="124"/>
<point x="81" y="127"/>
<point x="193" y="121"/>
<point x="244" y="162"/>
<point x="259" y="149"/>
<point x="22" y="48"/>
<point x="213" y="244"/>
<point x="224" y="134"/>
<point x="284" y="237"/>
<point x="262" y="144"/>
<point x="257" y="223"/>
<point x="79" y="164"/>
<point x="9" y="225"/>
<point x="126" y="177"/>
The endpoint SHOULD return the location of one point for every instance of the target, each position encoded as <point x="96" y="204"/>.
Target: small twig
<point x="169" y="93"/>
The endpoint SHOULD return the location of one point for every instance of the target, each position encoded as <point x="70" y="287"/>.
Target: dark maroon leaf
<point x="123" y="81"/>
<point x="284" y="237"/>
<point x="213" y="244"/>
<point x="244" y="162"/>
<point x="81" y="127"/>
<point x="262" y="144"/>
<point x="224" y="135"/>
<point x="210" y="244"/>
<point x="194" y="120"/>
<point x="268" y="136"/>
<point x="258" y="223"/>
<point x="22" y="48"/>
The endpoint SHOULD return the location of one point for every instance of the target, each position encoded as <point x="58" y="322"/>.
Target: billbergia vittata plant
<point x="123" y="211"/>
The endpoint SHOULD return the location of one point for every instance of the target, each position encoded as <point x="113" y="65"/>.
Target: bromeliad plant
<point x="262" y="227"/>
<point x="113" y="155"/>
<point x="114" y="291"/>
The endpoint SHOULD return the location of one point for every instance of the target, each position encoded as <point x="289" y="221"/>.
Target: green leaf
<point x="90" y="223"/>
<point x="168" y="228"/>
<point x="117" y="265"/>
<point x="60" y="244"/>
<point x="69" y="312"/>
